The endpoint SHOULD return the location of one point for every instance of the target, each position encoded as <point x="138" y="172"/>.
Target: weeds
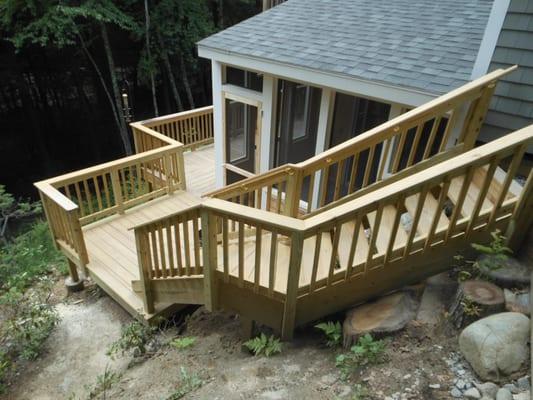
<point x="188" y="383"/>
<point x="263" y="345"/>
<point x="333" y="332"/>
<point x="103" y="384"/>
<point x="134" y="337"/>
<point x="496" y="254"/>
<point x="183" y="342"/>
<point x="367" y="351"/>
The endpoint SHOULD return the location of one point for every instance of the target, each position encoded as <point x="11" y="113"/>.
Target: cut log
<point x="474" y="300"/>
<point x="508" y="273"/>
<point x="388" y="314"/>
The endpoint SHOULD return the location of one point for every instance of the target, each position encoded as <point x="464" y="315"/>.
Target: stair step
<point x="428" y="212"/>
<point x="345" y="244"/>
<point x="472" y="193"/>
<point x="385" y="229"/>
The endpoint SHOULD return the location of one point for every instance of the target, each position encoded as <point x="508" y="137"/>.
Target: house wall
<point x="512" y="105"/>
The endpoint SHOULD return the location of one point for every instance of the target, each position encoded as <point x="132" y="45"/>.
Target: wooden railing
<point x="400" y="147"/>
<point x="79" y="198"/>
<point x="191" y="128"/>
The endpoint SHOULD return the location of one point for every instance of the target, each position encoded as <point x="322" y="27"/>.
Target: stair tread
<point x="345" y="243"/>
<point x="472" y="192"/>
<point x="385" y="229"/>
<point x="428" y="212"/>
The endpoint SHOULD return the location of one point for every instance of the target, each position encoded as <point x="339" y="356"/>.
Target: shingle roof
<point x="430" y="45"/>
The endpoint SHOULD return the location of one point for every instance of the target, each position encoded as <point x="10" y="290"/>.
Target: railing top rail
<point x="157" y="135"/>
<point x="56" y="196"/>
<point x="108" y="166"/>
<point x="169" y="117"/>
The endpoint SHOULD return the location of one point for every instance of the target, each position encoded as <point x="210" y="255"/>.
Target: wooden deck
<point x="200" y="170"/>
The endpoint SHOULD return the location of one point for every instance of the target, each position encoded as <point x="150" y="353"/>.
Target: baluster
<point x="432" y="135"/>
<point x="368" y="168"/>
<point x="225" y="248"/>
<point x="394" y="231"/>
<point x="241" y="253"/>
<point x="438" y="212"/>
<point x="333" y="259"/>
<point x="459" y="205"/>
<point x="414" y="146"/>
<point x="155" y="254"/>
<point x="374" y="236"/>
<point x="493" y="164"/>
<point x="353" y="245"/>
<point x="196" y="234"/>
<point x="170" y="250"/>
<point x="416" y="219"/>
<point x="316" y="259"/>
<point x="399" y="149"/>
<point x="117" y="192"/>
<point x="273" y="262"/>
<point x="257" y="265"/>
<point x="187" y="247"/>
<point x="177" y="239"/>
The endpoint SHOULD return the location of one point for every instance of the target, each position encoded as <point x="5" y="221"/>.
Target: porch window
<point x="245" y="79"/>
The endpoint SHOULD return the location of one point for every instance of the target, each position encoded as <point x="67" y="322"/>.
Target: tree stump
<point x="474" y="300"/>
<point x="388" y="314"/>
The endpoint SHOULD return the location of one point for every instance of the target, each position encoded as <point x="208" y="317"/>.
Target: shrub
<point x="333" y="332"/>
<point x="366" y="351"/>
<point x="135" y="336"/>
<point x="183" y="342"/>
<point x="263" y="345"/>
<point x="188" y="383"/>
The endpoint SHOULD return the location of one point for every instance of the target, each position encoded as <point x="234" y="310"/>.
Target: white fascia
<point x="373" y="90"/>
<point x="490" y="38"/>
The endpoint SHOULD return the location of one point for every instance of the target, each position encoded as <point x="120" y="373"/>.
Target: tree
<point x="62" y="23"/>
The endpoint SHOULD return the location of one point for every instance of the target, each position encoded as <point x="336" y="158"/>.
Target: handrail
<point x="369" y="152"/>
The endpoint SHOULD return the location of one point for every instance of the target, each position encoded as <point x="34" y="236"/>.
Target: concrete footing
<point x="74" y="286"/>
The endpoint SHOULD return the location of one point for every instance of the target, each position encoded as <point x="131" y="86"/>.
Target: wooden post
<point x="292" y="192"/>
<point x="522" y="219"/>
<point x="141" y="243"/>
<point x="117" y="190"/>
<point x="472" y="124"/>
<point x="289" y="309"/>
<point x="77" y="236"/>
<point x="167" y="161"/>
<point x="181" y="169"/>
<point x="209" y="249"/>
<point x="73" y="282"/>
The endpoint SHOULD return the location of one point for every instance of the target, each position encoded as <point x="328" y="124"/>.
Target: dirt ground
<point x="75" y="355"/>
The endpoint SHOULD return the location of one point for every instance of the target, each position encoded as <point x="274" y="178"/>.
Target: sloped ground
<point x="75" y="357"/>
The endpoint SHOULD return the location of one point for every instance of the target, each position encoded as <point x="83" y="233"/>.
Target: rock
<point x="516" y="302"/>
<point x="456" y="393"/>
<point x="522" y="396"/>
<point x="523" y="383"/>
<point x="388" y="314"/>
<point x="504" y="394"/>
<point x="436" y="299"/>
<point x="511" y="273"/>
<point x="511" y="387"/>
<point x="496" y="345"/>
<point x="460" y="384"/>
<point x="487" y="389"/>
<point x="472" y="393"/>
<point x="434" y="386"/>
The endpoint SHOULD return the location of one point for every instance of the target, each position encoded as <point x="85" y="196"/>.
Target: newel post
<point x="293" y="189"/>
<point x="142" y="245"/>
<point x="209" y="253"/>
<point x="181" y="169"/>
<point x="522" y="220"/>
<point x="288" y="322"/>
<point x="117" y="190"/>
<point x="476" y="116"/>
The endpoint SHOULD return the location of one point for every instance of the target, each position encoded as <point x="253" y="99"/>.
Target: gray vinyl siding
<point x="512" y="106"/>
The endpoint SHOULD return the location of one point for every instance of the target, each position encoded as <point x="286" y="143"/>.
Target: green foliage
<point x="12" y="209"/>
<point x="497" y="254"/>
<point x="183" y="342"/>
<point x="135" y="336"/>
<point x="366" y="351"/>
<point x="263" y="345"/>
<point x="29" y="257"/>
<point x="360" y="392"/>
<point x="470" y="308"/>
<point x="103" y="383"/>
<point x="188" y="383"/>
<point x="333" y="332"/>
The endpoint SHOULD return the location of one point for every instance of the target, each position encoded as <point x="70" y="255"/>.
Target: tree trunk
<point x="475" y="300"/>
<point x="170" y="74"/>
<point x="149" y="53"/>
<point x="221" y="14"/>
<point x="116" y="92"/>
<point x="186" y="83"/>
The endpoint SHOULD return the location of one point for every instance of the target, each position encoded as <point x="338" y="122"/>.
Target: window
<point x="244" y="79"/>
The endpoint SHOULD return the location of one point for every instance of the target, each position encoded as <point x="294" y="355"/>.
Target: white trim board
<point x="374" y="90"/>
<point x="490" y="38"/>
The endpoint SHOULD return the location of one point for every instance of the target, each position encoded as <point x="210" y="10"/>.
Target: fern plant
<point x="332" y="331"/>
<point x="183" y="342"/>
<point x="263" y="345"/>
<point x="366" y="351"/>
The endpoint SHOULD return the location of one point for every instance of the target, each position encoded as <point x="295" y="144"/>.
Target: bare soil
<point x="75" y="355"/>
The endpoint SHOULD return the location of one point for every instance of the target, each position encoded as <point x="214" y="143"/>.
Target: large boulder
<point x="496" y="346"/>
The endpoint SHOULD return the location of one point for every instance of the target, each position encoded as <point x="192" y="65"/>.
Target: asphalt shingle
<point x="436" y="40"/>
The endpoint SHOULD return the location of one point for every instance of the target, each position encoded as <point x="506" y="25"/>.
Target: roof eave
<point x="342" y="82"/>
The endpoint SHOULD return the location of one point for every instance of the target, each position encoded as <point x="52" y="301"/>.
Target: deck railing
<point x="79" y="198"/>
<point x="402" y="146"/>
